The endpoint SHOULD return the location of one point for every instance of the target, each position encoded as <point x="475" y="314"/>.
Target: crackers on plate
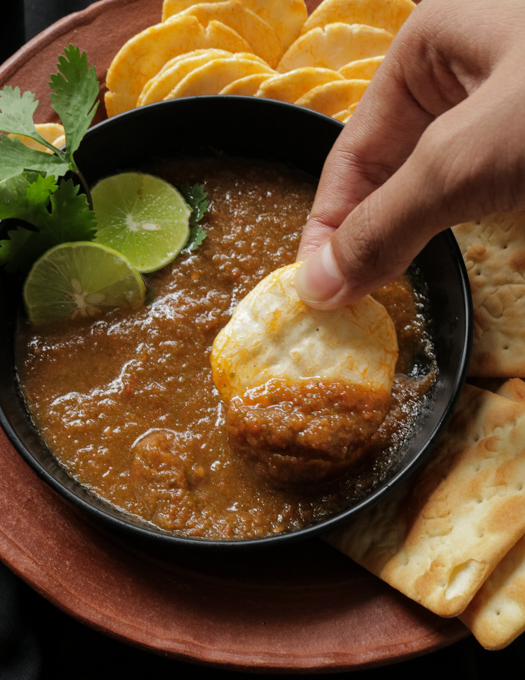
<point x="438" y="537"/>
<point x="342" y="39"/>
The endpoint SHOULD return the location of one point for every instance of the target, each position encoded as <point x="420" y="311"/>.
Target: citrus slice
<point x="143" y="217"/>
<point x="80" y="279"/>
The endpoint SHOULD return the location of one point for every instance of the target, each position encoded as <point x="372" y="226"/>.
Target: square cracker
<point x="496" y="614"/>
<point x="494" y="252"/>
<point x="438" y="537"/>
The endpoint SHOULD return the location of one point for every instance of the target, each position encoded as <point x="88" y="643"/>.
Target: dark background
<point x="39" y="642"/>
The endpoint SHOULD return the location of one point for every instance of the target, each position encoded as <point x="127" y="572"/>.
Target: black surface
<point x="39" y="642"/>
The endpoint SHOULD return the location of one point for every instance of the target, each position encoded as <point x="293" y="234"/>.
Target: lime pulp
<point x="141" y="216"/>
<point x="80" y="279"/>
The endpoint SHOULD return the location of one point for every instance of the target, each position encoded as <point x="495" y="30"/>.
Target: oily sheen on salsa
<point x="126" y="401"/>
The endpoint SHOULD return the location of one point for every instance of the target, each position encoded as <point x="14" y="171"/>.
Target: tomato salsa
<point x="126" y="401"/>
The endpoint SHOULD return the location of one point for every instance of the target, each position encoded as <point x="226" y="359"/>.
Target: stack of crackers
<point x="453" y="537"/>
<point x="262" y="48"/>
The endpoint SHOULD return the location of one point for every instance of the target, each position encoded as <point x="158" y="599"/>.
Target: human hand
<point x="438" y="138"/>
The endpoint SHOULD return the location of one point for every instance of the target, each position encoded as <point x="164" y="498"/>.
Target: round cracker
<point x="145" y="54"/>
<point x="180" y="57"/>
<point x="334" y="46"/>
<point x="387" y="14"/>
<point x="344" y="116"/>
<point x="214" y="76"/>
<point x="285" y="16"/>
<point x="362" y="69"/>
<point x="233" y="13"/>
<point x="246" y="86"/>
<point x="333" y="97"/>
<point x="273" y="335"/>
<point x="288" y="87"/>
<point x="167" y="79"/>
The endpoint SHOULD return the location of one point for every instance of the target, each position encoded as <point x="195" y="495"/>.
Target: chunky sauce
<point x="127" y="404"/>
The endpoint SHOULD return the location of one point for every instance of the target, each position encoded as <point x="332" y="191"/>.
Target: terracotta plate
<point x="306" y="608"/>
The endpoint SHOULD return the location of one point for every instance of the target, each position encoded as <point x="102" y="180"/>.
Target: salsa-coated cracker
<point x="335" y="45"/>
<point x="438" y="537"/>
<point x="143" y="56"/>
<point x="285" y="16"/>
<point x="261" y="37"/>
<point x="494" y="252"/>
<point x="387" y="14"/>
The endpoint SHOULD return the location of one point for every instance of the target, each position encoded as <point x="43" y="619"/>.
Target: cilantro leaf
<point x="15" y="158"/>
<point x="75" y="89"/>
<point x="12" y="187"/>
<point x="71" y="218"/>
<point x="68" y="219"/>
<point x="16" y="114"/>
<point x="196" y="197"/>
<point x="197" y="236"/>
<point x="32" y="200"/>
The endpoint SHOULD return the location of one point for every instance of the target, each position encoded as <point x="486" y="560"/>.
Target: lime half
<point x="80" y="279"/>
<point x="143" y="217"/>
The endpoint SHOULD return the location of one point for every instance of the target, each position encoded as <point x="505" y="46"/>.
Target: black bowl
<point x="253" y="128"/>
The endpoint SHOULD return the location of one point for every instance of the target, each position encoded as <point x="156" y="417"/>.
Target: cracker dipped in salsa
<point x="126" y="401"/>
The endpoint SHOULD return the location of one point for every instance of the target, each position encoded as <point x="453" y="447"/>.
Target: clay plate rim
<point x="323" y="614"/>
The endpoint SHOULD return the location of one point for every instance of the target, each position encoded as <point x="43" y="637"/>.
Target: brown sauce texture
<point x="126" y="401"/>
<point x="307" y="432"/>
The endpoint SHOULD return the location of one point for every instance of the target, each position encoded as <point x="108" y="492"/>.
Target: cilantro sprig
<point x="31" y="188"/>
<point x="196" y="197"/>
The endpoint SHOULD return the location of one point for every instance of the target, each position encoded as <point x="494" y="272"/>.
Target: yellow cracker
<point x="285" y="16"/>
<point x="362" y="68"/>
<point x="494" y="252"/>
<point x="159" y="87"/>
<point x="145" y="54"/>
<point x="387" y="14"/>
<point x="289" y="87"/>
<point x="207" y="55"/>
<point x="437" y="540"/>
<point x="246" y="86"/>
<point x="262" y="38"/>
<point x="334" y="46"/>
<point x="344" y="116"/>
<point x="214" y="76"/>
<point x="496" y="615"/>
<point x="333" y="97"/>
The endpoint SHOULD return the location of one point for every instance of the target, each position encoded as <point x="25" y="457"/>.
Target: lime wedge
<point x="143" y="217"/>
<point x="80" y="279"/>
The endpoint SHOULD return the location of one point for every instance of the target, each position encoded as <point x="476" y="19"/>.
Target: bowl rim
<point x="149" y="532"/>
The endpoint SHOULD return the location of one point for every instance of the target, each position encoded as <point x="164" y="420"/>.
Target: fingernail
<point x="318" y="279"/>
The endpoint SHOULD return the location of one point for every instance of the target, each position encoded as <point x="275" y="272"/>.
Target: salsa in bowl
<point x="119" y="413"/>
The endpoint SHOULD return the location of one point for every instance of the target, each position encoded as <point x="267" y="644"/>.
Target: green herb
<point x="59" y="215"/>
<point x="196" y="197"/>
<point x="29" y="187"/>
